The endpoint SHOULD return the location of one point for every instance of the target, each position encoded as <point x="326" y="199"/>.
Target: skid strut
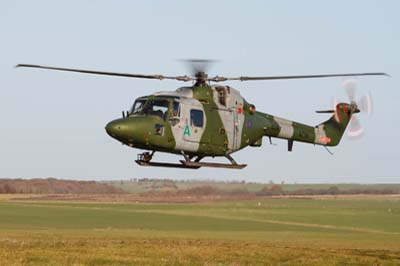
<point x="232" y="165"/>
<point x="144" y="159"/>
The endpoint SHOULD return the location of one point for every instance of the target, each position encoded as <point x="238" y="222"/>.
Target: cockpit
<point x="156" y="106"/>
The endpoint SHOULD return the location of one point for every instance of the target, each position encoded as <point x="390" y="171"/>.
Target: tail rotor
<point x="357" y="105"/>
<point x="363" y="104"/>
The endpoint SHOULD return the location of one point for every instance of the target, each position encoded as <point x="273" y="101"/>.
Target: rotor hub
<point x="201" y="78"/>
<point x="354" y="108"/>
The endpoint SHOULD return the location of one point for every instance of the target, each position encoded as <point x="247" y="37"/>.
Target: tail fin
<point x="331" y="131"/>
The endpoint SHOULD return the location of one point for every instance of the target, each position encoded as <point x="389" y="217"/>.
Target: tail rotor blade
<point x="350" y="86"/>
<point x="365" y="104"/>
<point x="355" y="128"/>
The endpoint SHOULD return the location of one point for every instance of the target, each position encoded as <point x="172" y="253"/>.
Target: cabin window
<point x="196" y="118"/>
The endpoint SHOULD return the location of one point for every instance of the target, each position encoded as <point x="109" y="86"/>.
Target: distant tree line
<point x="55" y="186"/>
<point x="271" y="190"/>
<point x="170" y="188"/>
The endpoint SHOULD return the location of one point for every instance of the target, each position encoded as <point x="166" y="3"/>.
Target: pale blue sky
<point x="52" y="123"/>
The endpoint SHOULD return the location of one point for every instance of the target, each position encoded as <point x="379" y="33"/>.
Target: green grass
<point x="269" y="232"/>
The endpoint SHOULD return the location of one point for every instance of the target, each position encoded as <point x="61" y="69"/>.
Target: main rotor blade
<point x="160" y="77"/>
<point x="244" y="78"/>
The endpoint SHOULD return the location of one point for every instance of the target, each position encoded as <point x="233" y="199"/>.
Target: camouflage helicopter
<point x="210" y="120"/>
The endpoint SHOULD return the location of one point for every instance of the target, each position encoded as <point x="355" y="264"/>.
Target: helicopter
<point x="212" y="120"/>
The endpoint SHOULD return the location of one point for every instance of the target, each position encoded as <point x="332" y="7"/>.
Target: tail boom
<point x="328" y="133"/>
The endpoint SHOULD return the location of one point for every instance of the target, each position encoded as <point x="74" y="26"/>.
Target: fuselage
<point x="205" y="121"/>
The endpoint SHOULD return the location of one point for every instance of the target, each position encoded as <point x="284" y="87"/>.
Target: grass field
<point x="341" y="231"/>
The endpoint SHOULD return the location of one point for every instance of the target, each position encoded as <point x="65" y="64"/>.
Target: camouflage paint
<point x="229" y="125"/>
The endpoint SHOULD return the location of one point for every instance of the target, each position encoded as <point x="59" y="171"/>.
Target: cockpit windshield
<point x="137" y="106"/>
<point x="156" y="107"/>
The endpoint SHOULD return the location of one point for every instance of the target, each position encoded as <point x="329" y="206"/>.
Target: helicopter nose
<point x="117" y="128"/>
<point x="129" y="131"/>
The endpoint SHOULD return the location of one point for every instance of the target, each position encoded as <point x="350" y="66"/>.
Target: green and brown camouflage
<point x="215" y="121"/>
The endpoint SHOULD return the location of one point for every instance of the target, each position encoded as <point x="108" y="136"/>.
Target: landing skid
<point x="144" y="159"/>
<point x="215" y="165"/>
<point x="169" y="165"/>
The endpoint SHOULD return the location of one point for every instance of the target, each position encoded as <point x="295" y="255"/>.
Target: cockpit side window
<point x="157" y="108"/>
<point x="175" y="109"/>
<point x="175" y="114"/>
